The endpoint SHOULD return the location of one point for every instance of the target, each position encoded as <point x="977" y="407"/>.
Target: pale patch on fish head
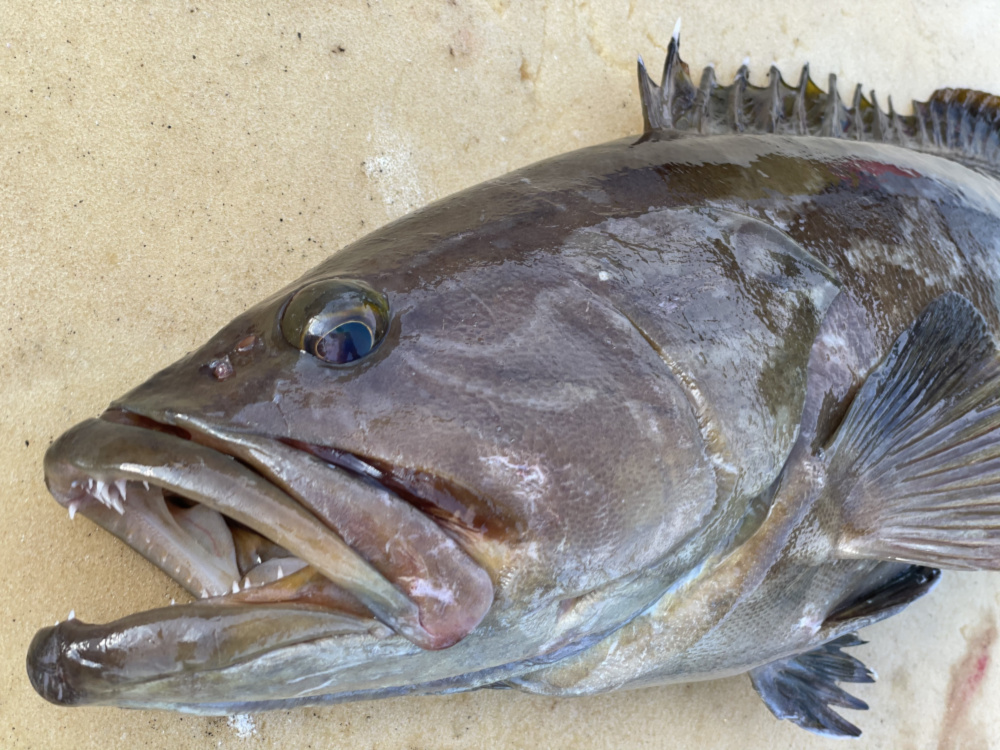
<point x="526" y="480"/>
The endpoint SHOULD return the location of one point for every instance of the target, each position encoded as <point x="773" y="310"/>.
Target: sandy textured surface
<point x="164" y="166"/>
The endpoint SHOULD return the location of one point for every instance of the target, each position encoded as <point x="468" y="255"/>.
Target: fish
<point x="689" y="404"/>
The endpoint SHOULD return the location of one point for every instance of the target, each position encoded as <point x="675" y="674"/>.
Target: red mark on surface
<point x="878" y="168"/>
<point x="866" y="174"/>
<point x="966" y="679"/>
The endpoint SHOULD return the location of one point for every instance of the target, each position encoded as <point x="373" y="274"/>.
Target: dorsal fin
<point x="959" y="124"/>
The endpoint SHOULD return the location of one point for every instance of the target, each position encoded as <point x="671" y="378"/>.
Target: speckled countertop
<point x="164" y="165"/>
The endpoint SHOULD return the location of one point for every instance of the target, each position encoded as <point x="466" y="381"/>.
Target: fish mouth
<point x="280" y="541"/>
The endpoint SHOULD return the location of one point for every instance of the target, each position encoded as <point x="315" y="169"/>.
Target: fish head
<point x="450" y="452"/>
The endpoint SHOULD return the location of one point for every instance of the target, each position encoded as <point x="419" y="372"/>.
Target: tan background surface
<point x="165" y="165"/>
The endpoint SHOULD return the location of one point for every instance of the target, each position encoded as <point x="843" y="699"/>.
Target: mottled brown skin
<point x="608" y="357"/>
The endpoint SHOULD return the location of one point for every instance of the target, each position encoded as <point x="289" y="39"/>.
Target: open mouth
<point x="248" y="521"/>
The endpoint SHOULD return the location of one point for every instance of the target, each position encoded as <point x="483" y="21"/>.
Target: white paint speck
<point x="243" y="725"/>
<point x="422" y="587"/>
<point x="604" y="276"/>
<point x="811" y="619"/>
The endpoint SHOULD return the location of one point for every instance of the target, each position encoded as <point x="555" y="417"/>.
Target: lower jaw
<point x="210" y="658"/>
<point x="203" y="652"/>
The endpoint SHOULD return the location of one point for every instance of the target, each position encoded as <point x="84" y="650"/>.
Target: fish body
<point x="690" y="404"/>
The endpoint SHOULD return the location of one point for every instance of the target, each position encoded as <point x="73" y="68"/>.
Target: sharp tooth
<point x="145" y="484"/>
<point x="172" y="602"/>
<point x="204" y="594"/>
<point x="236" y="587"/>
<point x="246" y="584"/>
<point x="75" y="483"/>
<point x="90" y="484"/>
<point x="108" y="494"/>
<point x="73" y="507"/>
<point x="121" y="485"/>
<point x="281" y="573"/>
<point x="72" y="615"/>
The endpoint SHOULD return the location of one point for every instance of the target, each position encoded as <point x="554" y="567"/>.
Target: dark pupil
<point x="345" y="343"/>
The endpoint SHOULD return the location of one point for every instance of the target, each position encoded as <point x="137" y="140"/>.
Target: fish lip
<point x="468" y="518"/>
<point x="434" y="568"/>
<point x="71" y="466"/>
<point x="70" y="476"/>
<point x="53" y="662"/>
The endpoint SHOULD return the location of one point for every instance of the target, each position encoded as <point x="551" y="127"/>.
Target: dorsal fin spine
<point x="919" y="118"/>
<point x="649" y="94"/>
<point x="703" y="100"/>
<point x="775" y="101"/>
<point x="959" y="124"/>
<point x="880" y="124"/>
<point x="832" y="122"/>
<point x="737" y="95"/>
<point x="861" y="108"/>
<point x="667" y="92"/>
<point x="799" y="105"/>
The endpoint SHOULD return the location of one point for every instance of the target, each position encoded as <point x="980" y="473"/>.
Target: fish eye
<point x="336" y="320"/>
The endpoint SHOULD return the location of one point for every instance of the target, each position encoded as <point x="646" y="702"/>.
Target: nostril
<point x="222" y="368"/>
<point x="246" y="344"/>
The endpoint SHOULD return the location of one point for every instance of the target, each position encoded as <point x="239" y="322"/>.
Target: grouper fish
<point x="689" y="404"/>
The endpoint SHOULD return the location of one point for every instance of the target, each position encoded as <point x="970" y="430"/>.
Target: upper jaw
<point x="349" y="548"/>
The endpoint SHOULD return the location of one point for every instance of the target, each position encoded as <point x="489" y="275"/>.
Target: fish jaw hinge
<point x="959" y="124"/>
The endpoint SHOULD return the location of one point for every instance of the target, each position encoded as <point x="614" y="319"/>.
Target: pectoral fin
<point x="915" y="467"/>
<point x="802" y="688"/>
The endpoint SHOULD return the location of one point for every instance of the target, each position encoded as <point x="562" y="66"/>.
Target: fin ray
<point x="801" y="688"/>
<point x="915" y="466"/>
<point x="888" y="598"/>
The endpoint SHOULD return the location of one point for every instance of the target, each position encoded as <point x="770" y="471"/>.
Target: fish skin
<point x="517" y="227"/>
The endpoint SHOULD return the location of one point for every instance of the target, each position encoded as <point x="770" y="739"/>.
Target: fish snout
<point x="47" y="668"/>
